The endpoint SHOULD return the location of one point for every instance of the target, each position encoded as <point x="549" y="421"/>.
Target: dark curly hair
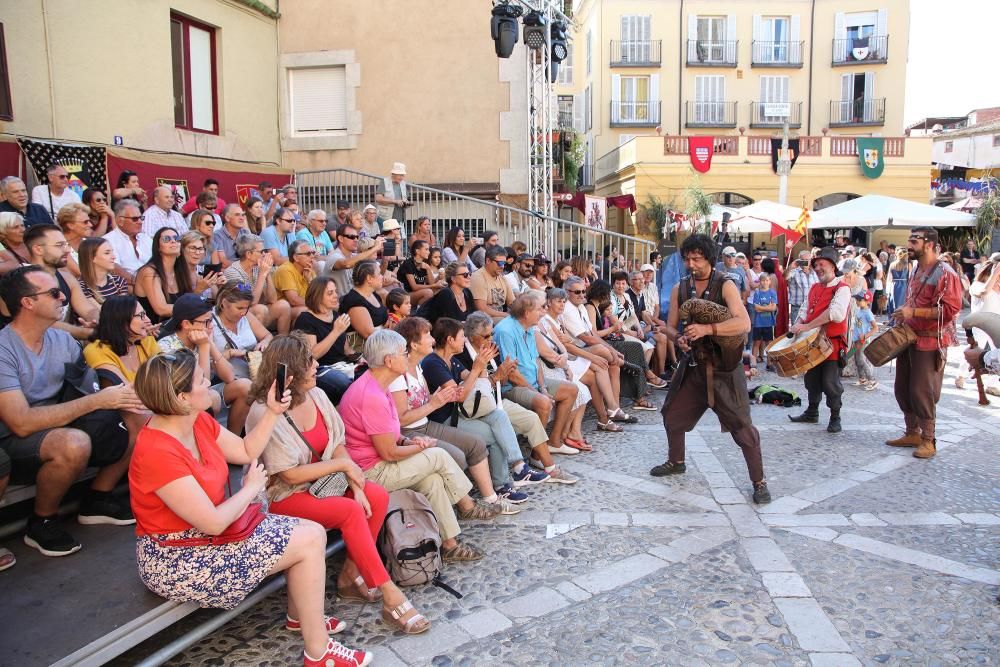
<point x="700" y="243"/>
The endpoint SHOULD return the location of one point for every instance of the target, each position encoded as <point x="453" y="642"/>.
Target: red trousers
<point x="347" y="516"/>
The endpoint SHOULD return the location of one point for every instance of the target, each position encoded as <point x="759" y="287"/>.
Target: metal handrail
<point x="558" y="238"/>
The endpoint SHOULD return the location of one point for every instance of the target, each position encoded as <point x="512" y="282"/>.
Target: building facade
<point x="184" y="76"/>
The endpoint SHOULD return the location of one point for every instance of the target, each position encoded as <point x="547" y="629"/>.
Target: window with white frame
<point x="635" y="35"/>
<point x="774" y="104"/>
<point x="710" y="99"/>
<point x="565" y="76"/>
<point x="774" y="39"/>
<point x="857" y="98"/>
<point x="949" y="146"/>
<point x="631" y="99"/>
<point x="318" y="100"/>
<point x="712" y="38"/>
<point x="588" y="110"/>
<point x="590" y="51"/>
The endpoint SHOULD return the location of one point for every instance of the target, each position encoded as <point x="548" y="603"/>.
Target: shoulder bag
<point x="334" y="484"/>
<point x="237" y="531"/>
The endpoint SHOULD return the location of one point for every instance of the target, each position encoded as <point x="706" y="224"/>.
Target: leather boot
<point x="810" y="416"/>
<point x="834" y="425"/>
<point x="927" y="449"/>
<point x="909" y="439"/>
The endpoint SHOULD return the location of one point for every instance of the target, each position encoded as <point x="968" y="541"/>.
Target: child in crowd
<point x="764" y="302"/>
<point x="863" y="326"/>
<point x="397" y="302"/>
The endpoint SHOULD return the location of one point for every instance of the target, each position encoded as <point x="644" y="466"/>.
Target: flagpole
<point x="784" y="165"/>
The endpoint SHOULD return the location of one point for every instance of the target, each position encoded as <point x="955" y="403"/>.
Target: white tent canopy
<point x="882" y="211"/>
<point x="757" y="217"/>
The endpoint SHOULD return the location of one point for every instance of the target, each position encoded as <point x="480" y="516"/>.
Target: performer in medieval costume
<point x="709" y="375"/>
<point x="933" y="301"/>
<point x="826" y="307"/>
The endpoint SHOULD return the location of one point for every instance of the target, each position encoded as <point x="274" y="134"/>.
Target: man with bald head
<point x="162" y="214"/>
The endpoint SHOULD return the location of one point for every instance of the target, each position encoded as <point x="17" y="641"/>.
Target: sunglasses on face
<point x="287" y="219"/>
<point x="577" y="291"/>
<point x="210" y="222"/>
<point x="53" y="292"/>
<point x="311" y="253"/>
<point x="353" y="237"/>
<point x="133" y="218"/>
<point x="461" y="275"/>
<point x="167" y="238"/>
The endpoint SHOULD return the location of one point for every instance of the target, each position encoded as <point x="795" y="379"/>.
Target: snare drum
<point x="795" y="356"/>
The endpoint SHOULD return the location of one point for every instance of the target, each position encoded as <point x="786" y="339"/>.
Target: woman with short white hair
<point x="374" y="441"/>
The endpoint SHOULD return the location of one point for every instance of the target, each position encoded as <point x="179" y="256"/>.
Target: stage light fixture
<point x="559" y="36"/>
<point x="503" y="28"/>
<point x="536" y="32"/>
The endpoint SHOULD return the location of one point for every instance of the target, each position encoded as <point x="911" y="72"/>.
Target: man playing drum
<point x="826" y="306"/>
<point x="933" y="301"/>
<point x="707" y="376"/>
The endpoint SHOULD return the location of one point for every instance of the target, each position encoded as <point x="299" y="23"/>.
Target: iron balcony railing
<point x="585" y="177"/>
<point x="636" y="53"/>
<point x="776" y="54"/>
<point x="635" y="114"/>
<point x="710" y="53"/>
<point x="857" y="112"/>
<point x="774" y="114"/>
<point x="853" y="50"/>
<point x="558" y="239"/>
<point x="710" y="114"/>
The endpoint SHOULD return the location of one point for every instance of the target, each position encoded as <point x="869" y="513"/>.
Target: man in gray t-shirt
<point x="55" y="421"/>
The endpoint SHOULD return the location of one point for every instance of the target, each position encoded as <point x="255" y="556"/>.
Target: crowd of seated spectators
<point x="134" y="325"/>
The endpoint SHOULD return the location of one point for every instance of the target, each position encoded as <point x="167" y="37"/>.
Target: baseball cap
<point x="739" y="254"/>
<point x="540" y="258"/>
<point x="371" y="207"/>
<point x="187" y="307"/>
<point x="390" y="225"/>
<point x="343" y="203"/>
<point x="647" y="267"/>
<point x="729" y="251"/>
<point x="866" y="295"/>
<point x="525" y="256"/>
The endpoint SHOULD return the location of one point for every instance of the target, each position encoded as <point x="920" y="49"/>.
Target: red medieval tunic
<point x="935" y="287"/>
<point x="820" y="297"/>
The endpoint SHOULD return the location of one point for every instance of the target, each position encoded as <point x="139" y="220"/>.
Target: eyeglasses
<point x="53" y="292"/>
<point x="286" y="220"/>
<point x="167" y="238"/>
<point x="577" y="291"/>
<point x="204" y="323"/>
<point x="310" y="253"/>
<point x="141" y="314"/>
<point x="61" y="244"/>
<point x="489" y="335"/>
<point x="350" y="236"/>
<point x="196" y="248"/>
<point x="133" y="218"/>
<point x="99" y="200"/>
<point x="461" y="275"/>
<point x="62" y="177"/>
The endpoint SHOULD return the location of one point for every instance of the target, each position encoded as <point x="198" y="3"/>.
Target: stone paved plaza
<point x="866" y="556"/>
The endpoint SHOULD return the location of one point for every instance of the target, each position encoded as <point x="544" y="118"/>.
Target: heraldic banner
<point x="793" y="148"/>
<point x="700" y="149"/>
<point x="85" y="164"/>
<point x="871" y="152"/>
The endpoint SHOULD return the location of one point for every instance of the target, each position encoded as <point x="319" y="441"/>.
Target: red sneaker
<point x="338" y="655"/>
<point x="333" y="624"/>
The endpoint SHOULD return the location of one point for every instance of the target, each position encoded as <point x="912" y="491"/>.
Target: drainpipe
<point x="812" y="54"/>
<point x="48" y="63"/>
<point x="680" y="71"/>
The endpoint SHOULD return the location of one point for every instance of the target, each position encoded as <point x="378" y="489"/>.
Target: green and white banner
<point x="871" y="152"/>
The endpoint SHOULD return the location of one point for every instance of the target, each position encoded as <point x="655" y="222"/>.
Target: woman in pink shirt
<point x="374" y="442"/>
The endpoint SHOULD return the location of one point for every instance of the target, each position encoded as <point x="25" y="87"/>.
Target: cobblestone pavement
<point x="866" y="556"/>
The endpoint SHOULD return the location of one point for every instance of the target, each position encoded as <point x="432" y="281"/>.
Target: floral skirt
<point x="218" y="576"/>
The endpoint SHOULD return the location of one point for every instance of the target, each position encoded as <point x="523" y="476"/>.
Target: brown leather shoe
<point x="908" y="440"/>
<point x="927" y="449"/>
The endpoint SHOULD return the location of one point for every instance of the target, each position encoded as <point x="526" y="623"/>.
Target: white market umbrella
<point x="966" y="204"/>
<point x="757" y="217"/>
<point x="881" y="211"/>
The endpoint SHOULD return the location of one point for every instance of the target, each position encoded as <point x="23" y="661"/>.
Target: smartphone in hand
<point x="280" y="377"/>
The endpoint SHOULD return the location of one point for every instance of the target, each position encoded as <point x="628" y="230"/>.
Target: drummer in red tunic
<point x="826" y="307"/>
<point x="933" y="301"/>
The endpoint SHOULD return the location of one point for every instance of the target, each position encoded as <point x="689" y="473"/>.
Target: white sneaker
<point x="563" y="449"/>
<point x="558" y="476"/>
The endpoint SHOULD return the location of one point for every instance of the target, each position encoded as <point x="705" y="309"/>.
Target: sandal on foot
<point x="414" y="625"/>
<point x="333" y="625"/>
<point x="610" y="426"/>
<point x="461" y="553"/>
<point x="580" y="445"/>
<point x="358" y="591"/>
<point x="642" y="404"/>
<point x="623" y="417"/>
